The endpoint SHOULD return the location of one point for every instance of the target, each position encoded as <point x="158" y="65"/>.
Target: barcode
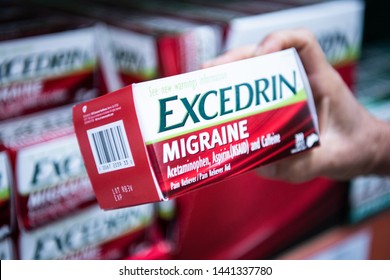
<point x="110" y="147"/>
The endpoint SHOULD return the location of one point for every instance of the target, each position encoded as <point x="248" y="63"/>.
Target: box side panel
<point x="113" y="150"/>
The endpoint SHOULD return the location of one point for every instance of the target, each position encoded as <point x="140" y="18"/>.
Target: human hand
<point x="347" y="130"/>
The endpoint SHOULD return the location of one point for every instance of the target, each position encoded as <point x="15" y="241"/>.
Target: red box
<point x="47" y="59"/>
<point x="156" y="140"/>
<point x="248" y="22"/>
<point x="337" y="25"/>
<point x="89" y="234"/>
<point x="148" y="46"/>
<point x="49" y="177"/>
<point x="6" y="213"/>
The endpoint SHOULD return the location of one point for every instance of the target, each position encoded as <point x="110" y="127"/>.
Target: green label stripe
<point x="147" y="73"/>
<point x="298" y="97"/>
<point x="89" y="66"/>
<point x="351" y="54"/>
<point x="4" y="194"/>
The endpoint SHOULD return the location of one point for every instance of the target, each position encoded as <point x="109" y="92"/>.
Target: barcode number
<point x="110" y="147"/>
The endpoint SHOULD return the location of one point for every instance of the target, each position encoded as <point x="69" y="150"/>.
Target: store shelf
<point x="247" y="217"/>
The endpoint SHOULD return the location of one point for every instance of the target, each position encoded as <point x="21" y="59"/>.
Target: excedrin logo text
<point x="49" y="170"/>
<point x="228" y="100"/>
<point x="40" y="64"/>
<point x="335" y="45"/>
<point x="129" y="60"/>
<point x="63" y="240"/>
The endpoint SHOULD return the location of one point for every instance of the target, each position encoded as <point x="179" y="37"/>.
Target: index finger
<point x="303" y="41"/>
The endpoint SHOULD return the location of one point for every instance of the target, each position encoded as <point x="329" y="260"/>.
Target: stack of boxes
<point x="42" y="74"/>
<point x="370" y="195"/>
<point x="114" y="44"/>
<point x="146" y="45"/>
<point x="56" y="209"/>
<point x="45" y="67"/>
<point x="7" y="249"/>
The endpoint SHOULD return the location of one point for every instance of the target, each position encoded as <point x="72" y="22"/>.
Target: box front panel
<point x="207" y="125"/>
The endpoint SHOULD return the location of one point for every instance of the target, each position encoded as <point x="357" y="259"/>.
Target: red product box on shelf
<point x="89" y="234"/>
<point x="248" y="22"/>
<point x="337" y="25"/>
<point x="48" y="61"/>
<point x="133" y="52"/>
<point x="50" y="180"/>
<point x="6" y="217"/>
<point x="147" y="46"/>
<point x="156" y="140"/>
<point x="170" y="45"/>
<point x="205" y="14"/>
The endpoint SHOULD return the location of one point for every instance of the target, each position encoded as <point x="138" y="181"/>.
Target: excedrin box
<point x="147" y="46"/>
<point x="156" y="140"/>
<point x="178" y="9"/>
<point x="134" y="53"/>
<point x="6" y="214"/>
<point x="50" y="177"/>
<point x="90" y="234"/>
<point x="338" y="26"/>
<point x="54" y="63"/>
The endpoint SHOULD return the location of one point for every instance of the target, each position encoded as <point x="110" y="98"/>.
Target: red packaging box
<point x="47" y="60"/>
<point x="337" y="25"/>
<point x="6" y="213"/>
<point x="208" y="15"/>
<point x="89" y="234"/>
<point x="159" y="139"/>
<point x="147" y="46"/>
<point x="248" y="22"/>
<point x="49" y="177"/>
<point x="250" y="217"/>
